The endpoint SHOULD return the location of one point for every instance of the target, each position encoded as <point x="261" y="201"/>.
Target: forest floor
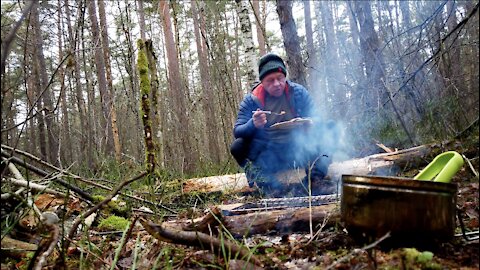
<point x="101" y="246"/>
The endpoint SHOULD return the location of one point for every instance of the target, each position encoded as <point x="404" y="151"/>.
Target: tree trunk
<point x="372" y="59"/>
<point x="30" y="106"/>
<point x="67" y="140"/>
<point x="141" y="20"/>
<point x="92" y="112"/>
<point x="145" y="92"/>
<point x="102" y="82"/>
<point x="42" y="138"/>
<point x="261" y="35"/>
<point x="74" y="64"/>
<point x="333" y="76"/>
<point x="247" y="41"/>
<point x="155" y="112"/>
<point x="52" y="130"/>
<point x="207" y="91"/>
<point x="133" y="92"/>
<point x="358" y="72"/>
<point x="291" y="42"/>
<point x="406" y="21"/>
<point x="177" y="91"/>
<point x="111" y="91"/>
<point x="311" y="55"/>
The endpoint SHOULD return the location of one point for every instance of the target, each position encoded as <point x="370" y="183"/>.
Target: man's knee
<point x="239" y="150"/>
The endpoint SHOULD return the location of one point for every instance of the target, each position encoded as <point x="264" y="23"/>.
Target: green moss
<point x="425" y="257"/>
<point x="145" y="88"/>
<point x="415" y="259"/>
<point x="119" y="207"/>
<point x="98" y="198"/>
<point x="113" y="223"/>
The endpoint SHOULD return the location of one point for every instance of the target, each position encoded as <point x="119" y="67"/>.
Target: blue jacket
<point x="301" y="104"/>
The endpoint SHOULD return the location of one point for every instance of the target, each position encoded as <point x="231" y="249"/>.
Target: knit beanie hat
<point x="269" y="63"/>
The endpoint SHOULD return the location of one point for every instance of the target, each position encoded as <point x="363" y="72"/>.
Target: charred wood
<point x="281" y="221"/>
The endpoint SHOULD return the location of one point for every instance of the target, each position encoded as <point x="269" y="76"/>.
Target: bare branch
<point x="11" y="36"/>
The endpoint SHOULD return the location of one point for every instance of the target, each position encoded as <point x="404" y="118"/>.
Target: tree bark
<point x="141" y="19"/>
<point x="261" y="35"/>
<point x="311" y="54"/>
<point x="291" y="42"/>
<point x="177" y="91"/>
<point x="281" y="221"/>
<point x="67" y="141"/>
<point x="102" y="81"/>
<point x="111" y="91"/>
<point x="145" y="92"/>
<point x="52" y="129"/>
<point x="156" y="105"/>
<point x="332" y="69"/>
<point x="74" y="67"/>
<point x="207" y="91"/>
<point x="247" y="41"/>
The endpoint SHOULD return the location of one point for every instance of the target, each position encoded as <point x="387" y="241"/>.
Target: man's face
<point x="274" y="83"/>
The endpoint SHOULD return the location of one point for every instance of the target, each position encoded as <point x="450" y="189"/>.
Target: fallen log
<point x="281" y="221"/>
<point x="414" y="157"/>
<point x="264" y="222"/>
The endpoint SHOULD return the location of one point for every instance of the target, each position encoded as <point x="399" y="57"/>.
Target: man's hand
<point x="259" y="119"/>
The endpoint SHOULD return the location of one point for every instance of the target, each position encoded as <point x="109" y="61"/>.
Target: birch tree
<point x="247" y="41"/>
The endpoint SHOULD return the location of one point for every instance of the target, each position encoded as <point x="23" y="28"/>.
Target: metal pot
<point x="411" y="210"/>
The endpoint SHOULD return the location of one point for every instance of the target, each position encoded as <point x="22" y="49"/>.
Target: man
<point x="264" y="151"/>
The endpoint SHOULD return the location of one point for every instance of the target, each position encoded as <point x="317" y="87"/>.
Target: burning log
<point x="265" y="222"/>
<point x="413" y="157"/>
<point x="282" y="221"/>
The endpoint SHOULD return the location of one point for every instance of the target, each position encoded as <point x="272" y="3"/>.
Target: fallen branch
<point x="209" y="220"/>
<point x="43" y="173"/>
<point x="76" y="177"/>
<point x="34" y="186"/>
<point x="197" y="239"/>
<point x="16" y="248"/>
<point x="108" y="198"/>
<point x="53" y="242"/>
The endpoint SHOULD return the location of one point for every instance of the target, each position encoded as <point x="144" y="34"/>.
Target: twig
<point x="197" y="239"/>
<point x="43" y="258"/>
<point x="41" y="172"/>
<point x="130" y="230"/>
<point x="89" y="252"/>
<point x="356" y="251"/>
<point x="79" y="219"/>
<point x="324" y="223"/>
<point x="470" y="165"/>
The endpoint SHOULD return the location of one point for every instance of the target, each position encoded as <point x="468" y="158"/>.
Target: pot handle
<point x="462" y="227"/>
<point x="442" y="168"/>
